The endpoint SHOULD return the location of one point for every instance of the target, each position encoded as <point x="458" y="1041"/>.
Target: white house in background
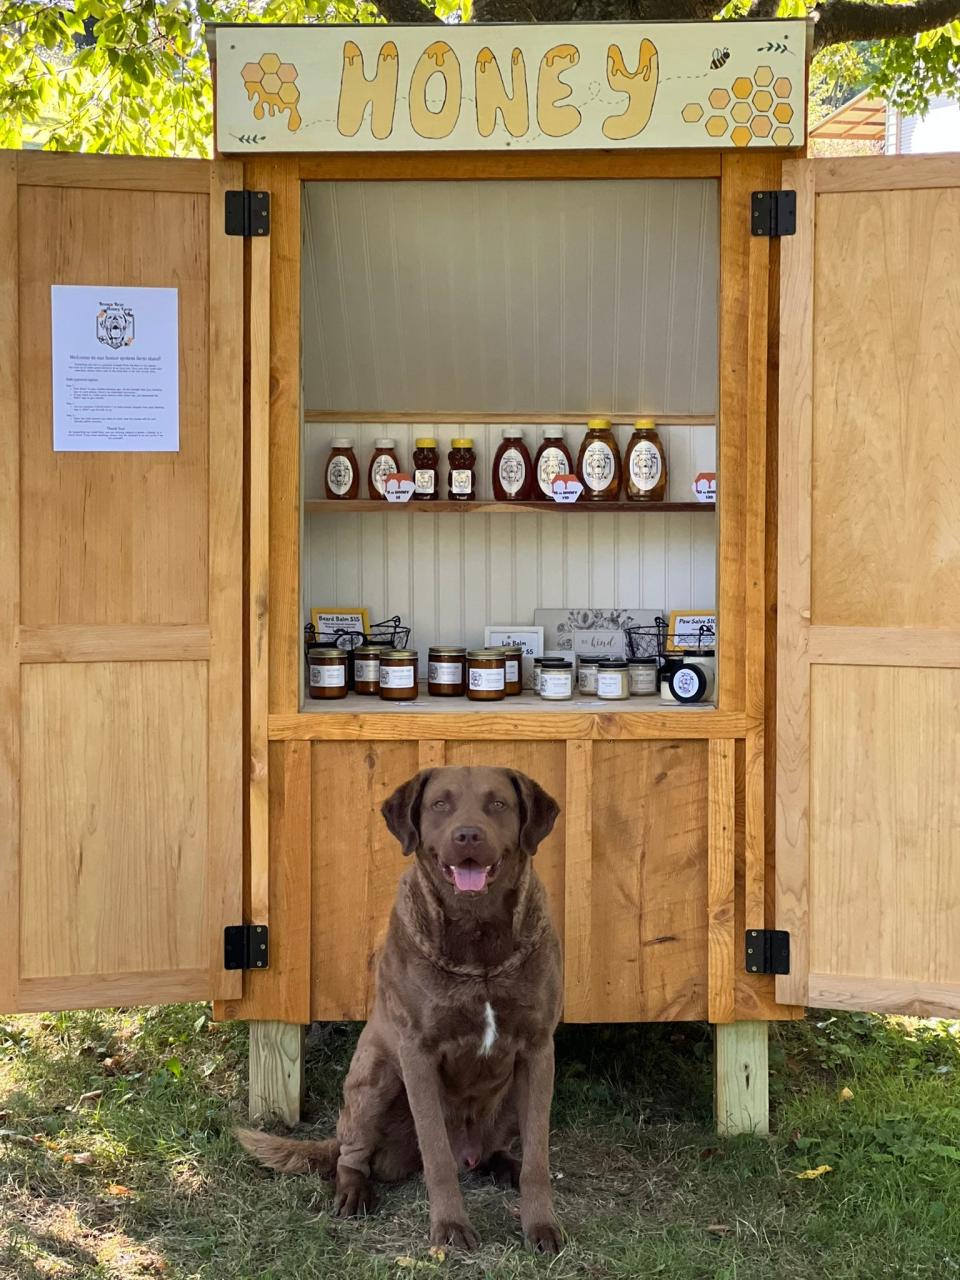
<point x="867" y="118"/>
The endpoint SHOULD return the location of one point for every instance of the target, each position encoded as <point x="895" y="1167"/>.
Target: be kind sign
<point x="471" y="88"/>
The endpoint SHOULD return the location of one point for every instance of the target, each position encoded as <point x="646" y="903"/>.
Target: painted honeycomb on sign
<point x="750" y="109"/>
<point x="271" y="85"/>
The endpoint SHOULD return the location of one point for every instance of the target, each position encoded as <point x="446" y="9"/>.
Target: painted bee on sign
<point x="720" y="58"/>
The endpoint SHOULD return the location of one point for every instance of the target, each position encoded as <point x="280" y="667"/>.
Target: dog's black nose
<point x="467" y="836"/>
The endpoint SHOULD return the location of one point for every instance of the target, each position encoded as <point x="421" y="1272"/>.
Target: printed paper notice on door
<point x="116" y="375"/>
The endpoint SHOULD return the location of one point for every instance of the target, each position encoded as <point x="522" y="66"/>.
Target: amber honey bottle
<point x="598" y="464"/>
<point x="645" y="464"/>
<point x="512" y="468"/>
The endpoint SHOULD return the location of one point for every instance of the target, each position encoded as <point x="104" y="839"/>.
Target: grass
<point x="116" y="1160"/>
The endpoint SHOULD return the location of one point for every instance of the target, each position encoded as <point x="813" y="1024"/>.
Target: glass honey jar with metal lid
<point x="327" y="672"/>
<point x="513" y="674"/>
<point x="446" y="671"/>
<point x="366" y="669"/>
<point x="486" y="674"/>
<point x="598" y="463"/>
<point x="398" y="675"/>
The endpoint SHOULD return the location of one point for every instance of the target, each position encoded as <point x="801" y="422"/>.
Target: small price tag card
<point x="399" y="488"/>
<point x="705" y="486"/>
<point x="566" y="489"/>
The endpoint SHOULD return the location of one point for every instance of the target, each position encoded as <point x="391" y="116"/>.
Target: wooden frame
<point x="738" y="852"/>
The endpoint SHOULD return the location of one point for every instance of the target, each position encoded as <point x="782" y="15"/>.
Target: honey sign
<point x="472" y="88"/>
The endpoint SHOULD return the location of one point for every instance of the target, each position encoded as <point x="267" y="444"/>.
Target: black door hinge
<point x="246" y="946"/>
<point x="247" y="213"/>
<point x="773" y="213"/>
<point x="767" y="951"/>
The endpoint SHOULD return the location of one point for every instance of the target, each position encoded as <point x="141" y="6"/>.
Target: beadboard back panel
<point x="448" y="575"/>
<point x="511" y="297"/>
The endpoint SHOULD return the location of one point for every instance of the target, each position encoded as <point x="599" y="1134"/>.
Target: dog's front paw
<point x="454" y="1231"/>
<point x="543" y="1237"/>
<point x="354" y="1196"/>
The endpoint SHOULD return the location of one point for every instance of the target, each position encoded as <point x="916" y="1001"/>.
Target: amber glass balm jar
<point x="486" y="674"/>
<point x="366" y="669"/>
<point x="398" y="675"/>
<point x="327" y="672"/>
<point x="446" y="672"/>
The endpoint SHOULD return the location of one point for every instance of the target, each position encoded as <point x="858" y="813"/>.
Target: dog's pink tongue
<point x="470" y="878"/>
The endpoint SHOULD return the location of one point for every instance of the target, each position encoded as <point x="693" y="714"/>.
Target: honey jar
<point x="366" y="669"/>
<point x="398" y="675"/>
<point x="486" y="674"/>
<point x="383" y="465"/>
<point x="446" y="672"/>
<point x="342" y="477"/>
<point x="513" y="674"/>
<point x="598" y="464"/>
<point x="327" y="673"/>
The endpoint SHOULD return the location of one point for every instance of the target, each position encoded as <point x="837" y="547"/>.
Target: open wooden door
<point x="121" y="732"/>
<point x="868" y="802"/>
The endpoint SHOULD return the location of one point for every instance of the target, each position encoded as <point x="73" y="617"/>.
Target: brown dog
<point x="457" y="1057"/>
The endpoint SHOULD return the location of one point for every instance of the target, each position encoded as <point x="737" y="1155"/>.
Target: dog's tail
<point x="291" y="1155"/>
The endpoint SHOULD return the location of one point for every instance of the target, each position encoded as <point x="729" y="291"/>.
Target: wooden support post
<point x="741" y="1098"/>
<point x="276" y="1071"/>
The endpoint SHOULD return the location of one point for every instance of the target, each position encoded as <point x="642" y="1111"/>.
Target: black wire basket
<point x="389" y="634"/>
<point x="654" y="641"/>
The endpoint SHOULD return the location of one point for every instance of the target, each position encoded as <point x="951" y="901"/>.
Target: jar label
<point x="646" y="466"/>
<point x="425" y="481"/>
<point x="552" y="463"/>
<point x="612" y="684"/>
<point x="513" y="471"/>
<point x="556" y="684"/>
<point x="513" y="670"/>
<point x="367" y="669"/>
<point x="445" y="672"/>
<point x="487" y="681"/>
<point x="587" y="681"/>
<point x="598" y="466"/>
<point x="339" y="475"/>
<point x="461" y="481"/>
<point x="396" y="677"/>
<point x="383" y="467"/>
<point x="643" y="679"/>
<point x="687" y="683"/>
<point x="332" y="677"/>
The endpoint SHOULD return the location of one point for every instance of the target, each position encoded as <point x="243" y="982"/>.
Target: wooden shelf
<point x="528" y="701"/>
<point x="503" y="508"/>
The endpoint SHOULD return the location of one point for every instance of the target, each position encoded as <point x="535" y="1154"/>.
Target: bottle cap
<point x="425" y="442"/>
<point x="511" y="433"/>
<point x="552" y="432"/>
<point x="462" y="442"/>
<point x="342" y="442"/>
<point x="644" y="424"/>
<point x="385" y="442"/>
<point x="598" y="424"/>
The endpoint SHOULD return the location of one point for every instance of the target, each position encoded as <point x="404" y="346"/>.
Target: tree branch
<point x="405" y="11"/>
<point x="842" y="20"/>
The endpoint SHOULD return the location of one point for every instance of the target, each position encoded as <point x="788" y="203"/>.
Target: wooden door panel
<point x="119" y="537"/>
<point x="122" y="767"/>
<point x="886" y="467"/>
<point x="868" y="819"/>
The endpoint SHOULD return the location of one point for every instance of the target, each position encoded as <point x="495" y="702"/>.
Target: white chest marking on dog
<point x="489" y="1030"/>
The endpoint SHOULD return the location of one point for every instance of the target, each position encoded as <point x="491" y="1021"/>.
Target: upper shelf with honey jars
<point x="474" y="467"/>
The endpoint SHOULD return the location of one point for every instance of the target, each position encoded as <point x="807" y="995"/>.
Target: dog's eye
<point x="498" y="804"/>
<point x="439" y="804"/>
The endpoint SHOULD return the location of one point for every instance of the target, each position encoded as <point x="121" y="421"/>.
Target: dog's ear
<point x="401" y="811"/>
<point x="538" y="811"/>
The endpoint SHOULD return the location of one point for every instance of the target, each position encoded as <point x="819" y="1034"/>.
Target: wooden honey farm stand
<point x="163" y="783"/>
